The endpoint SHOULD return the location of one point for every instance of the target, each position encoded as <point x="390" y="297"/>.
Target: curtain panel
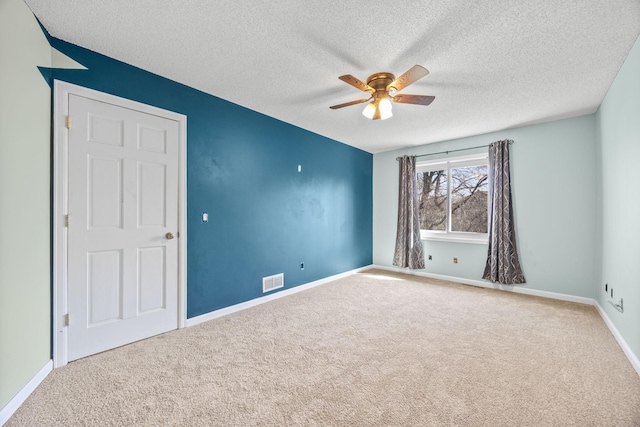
<point x="503" y="264"/>
<point x="408" y="251"/>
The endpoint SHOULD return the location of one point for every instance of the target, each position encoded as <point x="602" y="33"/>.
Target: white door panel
<point x="123" y="202"/>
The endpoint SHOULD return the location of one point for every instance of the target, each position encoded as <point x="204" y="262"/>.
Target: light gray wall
<point x="25" y="108"/>
<point x="553" y="177"/>
<point x="618" y="125"/>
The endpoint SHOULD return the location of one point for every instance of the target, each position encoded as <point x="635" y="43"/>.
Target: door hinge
<point x="68" y="122"/>
<point x="66" y="220"/>
<point x="66" y="320"/>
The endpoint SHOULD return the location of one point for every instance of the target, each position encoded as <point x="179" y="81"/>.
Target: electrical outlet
<point x="455" y="260"/>
<point x="430" y="257"/>
<point x="302" y="266"/>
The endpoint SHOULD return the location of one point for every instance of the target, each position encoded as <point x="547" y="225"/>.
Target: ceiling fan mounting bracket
<point x="380" y="81"/>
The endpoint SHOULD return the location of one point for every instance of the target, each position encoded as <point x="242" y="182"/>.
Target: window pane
<point x="432" y="196"/>
<point x="469" y="193"/>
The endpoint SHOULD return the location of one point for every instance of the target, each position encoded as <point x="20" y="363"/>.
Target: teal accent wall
<point x="553" y="177"/>
<point x="265" y="217"/>
<point x="618" y="129"/>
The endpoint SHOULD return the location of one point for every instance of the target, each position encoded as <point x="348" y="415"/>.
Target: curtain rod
<point x="453" y="151"/>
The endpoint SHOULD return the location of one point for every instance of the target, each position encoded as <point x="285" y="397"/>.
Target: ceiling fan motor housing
<point x="379" y="82"/>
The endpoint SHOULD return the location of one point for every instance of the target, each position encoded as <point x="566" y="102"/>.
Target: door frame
<point x="60" y="200"/>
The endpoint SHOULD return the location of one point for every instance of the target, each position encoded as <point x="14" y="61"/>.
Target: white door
<point x="122" y="280"/>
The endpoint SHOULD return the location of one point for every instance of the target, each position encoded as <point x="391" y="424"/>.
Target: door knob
<point x="169" y="236"/>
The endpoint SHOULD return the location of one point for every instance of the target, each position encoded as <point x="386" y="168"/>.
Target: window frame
<point x="447" y="164"/>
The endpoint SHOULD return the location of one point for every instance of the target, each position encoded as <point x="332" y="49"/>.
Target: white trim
<point x="261" y="300"/>
<point x="635" y="362"/>
<point x="13" y="405"/>
<point x="60" y="207"/>
<point x="485" y="284"/>
<point x="182" y="221"/>
<point x="443" y="236"/>
<point x="60" y="204"/>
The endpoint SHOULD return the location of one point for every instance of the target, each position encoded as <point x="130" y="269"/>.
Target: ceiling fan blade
<point x="358" y="84"/>
<point x="414" y="99"/>
<point x="414" y="74"/>
<point x="346" y="104"/>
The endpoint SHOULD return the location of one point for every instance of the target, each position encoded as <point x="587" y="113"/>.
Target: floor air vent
<point x="272" y="282"/>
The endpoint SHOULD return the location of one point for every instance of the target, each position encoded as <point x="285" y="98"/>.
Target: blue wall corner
<point x="265" y="217"/>
<point x="47" y="75"/>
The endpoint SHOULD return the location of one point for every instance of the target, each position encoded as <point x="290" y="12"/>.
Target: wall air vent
<point x="272" y="282"/>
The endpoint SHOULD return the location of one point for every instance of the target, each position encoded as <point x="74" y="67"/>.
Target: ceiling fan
<point x="383" y="88"/>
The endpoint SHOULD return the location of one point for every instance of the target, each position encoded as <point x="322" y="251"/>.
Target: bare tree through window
<point x="469" y="197"/>
<point x="433" y="196"/>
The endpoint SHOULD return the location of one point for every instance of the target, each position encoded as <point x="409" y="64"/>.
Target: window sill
<point x="481" y="239"/>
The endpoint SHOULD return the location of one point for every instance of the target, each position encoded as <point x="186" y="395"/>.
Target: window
<point x="453" y="196"/>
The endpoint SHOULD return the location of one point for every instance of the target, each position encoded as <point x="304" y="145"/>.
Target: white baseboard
<point x="22" y="395"/>
<point x="485" y="284"/>
<point x="633" y="359"/>
<point x="261" y="300"/>
<point x="635" y="362"/>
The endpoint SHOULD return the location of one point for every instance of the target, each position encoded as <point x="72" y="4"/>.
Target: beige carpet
<point x="374" y="349"/>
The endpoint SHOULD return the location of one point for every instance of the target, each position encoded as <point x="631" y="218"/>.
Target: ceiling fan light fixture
<point x="369" y="110"/>
<point x="378" y="109"/>
<point x="385" y="108"/>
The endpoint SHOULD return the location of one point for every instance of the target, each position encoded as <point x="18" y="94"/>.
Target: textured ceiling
<point x="494" y="65"/>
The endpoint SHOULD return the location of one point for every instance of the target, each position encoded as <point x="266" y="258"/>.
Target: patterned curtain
<point x="503" y="265"/>
<point x="408" y="251"/>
